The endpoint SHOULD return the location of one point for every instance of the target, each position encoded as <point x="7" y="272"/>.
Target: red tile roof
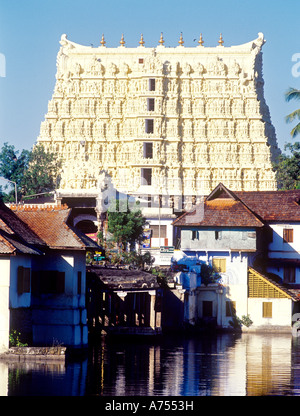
<point x="220" y="212"/>
<point x="15" y="235"/>
<point x="273" y="205"/>
<point x="244" y="209"/>
<point x="50" y="225"/>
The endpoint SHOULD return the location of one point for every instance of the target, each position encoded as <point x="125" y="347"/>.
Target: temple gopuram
<point x="162" y="124"/>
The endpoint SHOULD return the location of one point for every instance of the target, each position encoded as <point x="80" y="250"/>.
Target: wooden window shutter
<point x="288" y="235"/>
<point x="267" y="309"/>
<point x="20" y="279"/>
<point x="219" y="265"/>
<point x="23" y="280"/>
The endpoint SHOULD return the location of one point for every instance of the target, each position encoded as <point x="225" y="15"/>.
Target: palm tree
<point x="293" y="94"/>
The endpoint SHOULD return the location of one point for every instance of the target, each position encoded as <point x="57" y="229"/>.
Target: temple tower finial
<point x="221" y="40"/>
<point x="141" y="42"/>
<point x="200" y="41"/>
<point x="161" y="40"/>
<point x="122" y="41"/>
<point x="181" y="42"/>
<point x="103" y="41"/>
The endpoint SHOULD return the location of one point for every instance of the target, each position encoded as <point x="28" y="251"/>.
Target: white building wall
<point x="163" y="222"/>
<point x="234" y="287"/>
<point x="278" y="248"/>
<point x="281" y="312"/>
<point x="4" y="303"/>
<point x="3" y="379"/>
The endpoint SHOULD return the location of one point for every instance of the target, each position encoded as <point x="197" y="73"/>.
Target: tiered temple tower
<point x="160" y="120"/>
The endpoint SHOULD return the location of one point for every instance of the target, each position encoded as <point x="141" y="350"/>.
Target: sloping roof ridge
<point x="77" y="238"/>
<point x="40" y="208"/>
<point x="222" y="187"/>
<point x="7" y="243"/>
<point x="10" y="214"/>
<point x="182" y="216"/>
<point x="80" y="236"/>
<point x="235" y="197"/>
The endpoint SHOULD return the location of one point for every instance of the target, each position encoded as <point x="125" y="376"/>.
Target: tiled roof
<point x="244" y="209"/>
<point x="50" y="225"/>
<point x="220" y="212"/>
<point x="15" y="235"/>
<point x="12" y="224"/>
<point x="273" y="205"/>
<point x="125" y="279"/>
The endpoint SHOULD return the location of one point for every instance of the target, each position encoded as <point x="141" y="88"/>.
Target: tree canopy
<point x="126" y="225"/>
<point x="33" y="171"/>
<point x="293" y="94"/>
<point x="288" y="167"/>
<point x="41" y="173"/>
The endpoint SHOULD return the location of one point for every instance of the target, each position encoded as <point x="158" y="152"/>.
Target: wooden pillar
<point x="152" y="294"/>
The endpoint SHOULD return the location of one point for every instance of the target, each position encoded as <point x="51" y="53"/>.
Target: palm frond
<point x="295" y="131"/>
<point x="292" y="94"/>
<point x="291" y="117"/>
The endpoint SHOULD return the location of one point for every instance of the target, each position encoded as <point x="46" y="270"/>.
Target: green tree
<point x="12" y="168"/>
<point x="33" y="171"/>
<point x="293" y="94"/>
<point x="42" y="172"/>
<point x="288" y="167"/>
<point x="126" y="225"/>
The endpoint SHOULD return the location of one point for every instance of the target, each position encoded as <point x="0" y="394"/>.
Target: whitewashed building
<point x="237" y="234"/>
<point x="42" y="279"/>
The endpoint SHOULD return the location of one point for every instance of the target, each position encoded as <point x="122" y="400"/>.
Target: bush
<point x="239" y="322"/>
<point x="14" y="339"/>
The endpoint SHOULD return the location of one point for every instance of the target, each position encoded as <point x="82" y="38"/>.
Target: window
<point x="219" y="265"/>
<point x="267" y="309"/>
<point x="141" y="60"/>
<point x="23" y="283"/>
<point x="148" y="150"/>
<point x="48" y="281"/>
<point x="230" y="308"/>
<point x="155" y="231"/>
<point x="151" y="84"/>
<point x="149" y="126"/>
<point x="146" y="176"/>
<point x="207" y="309"/>
<point x="150" y="104"/>
<point x="288" y="235"/>
<point x="79" y="283"/>
<point x="195" y="235"/>
<point x="289" y="274"/>
<point x="218" y="235"/>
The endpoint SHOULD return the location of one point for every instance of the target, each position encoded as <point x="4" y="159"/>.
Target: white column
<point x="4" y="303"/>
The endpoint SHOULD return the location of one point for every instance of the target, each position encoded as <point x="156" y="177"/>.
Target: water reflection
<point x="223" y="365"/>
